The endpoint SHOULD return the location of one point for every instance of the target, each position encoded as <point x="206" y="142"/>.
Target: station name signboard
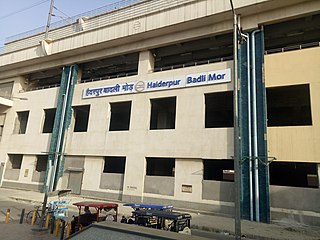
<point x="191" y="80"/>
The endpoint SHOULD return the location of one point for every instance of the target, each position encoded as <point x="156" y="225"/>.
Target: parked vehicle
<point x="90" y="212"/>
<point x="166" y="220"/>
<point x="138" y="206"/>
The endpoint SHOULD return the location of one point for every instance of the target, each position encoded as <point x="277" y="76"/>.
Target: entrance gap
<point x="114" y="165"/>
<point x="289" y="106"/>
<point x="218" y="170"/>
<point x="163" y="113"/>
<point x="81" y="114"/>
<point x="160" y="166"/>
<point x="219" y="110"/>
<point x="120" y="116"/>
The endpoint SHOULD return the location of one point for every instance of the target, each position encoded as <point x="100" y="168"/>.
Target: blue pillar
<point x="61" y="124"/>
<point x="251" y="68"/>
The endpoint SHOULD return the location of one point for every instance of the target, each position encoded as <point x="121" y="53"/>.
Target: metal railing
<point x="195" y="63"/>
<point x="71" y="20"/>
<point x="133" y="11"/>
<point x="293" y="47"/>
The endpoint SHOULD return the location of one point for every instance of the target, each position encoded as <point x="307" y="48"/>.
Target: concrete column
<point x="146" y="62"/>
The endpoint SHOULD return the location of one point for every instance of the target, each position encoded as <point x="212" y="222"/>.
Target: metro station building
<point x="152" y="104"/>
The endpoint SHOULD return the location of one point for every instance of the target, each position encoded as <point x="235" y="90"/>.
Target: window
<point x="6" y="90"/>
<point x="218" y="170"/>
<point x="294" y="174"/>
<point x="160" y="166"/>
<point x="120" y="116"/>
<point x="21" y="122"/>
<point x="15" y="161"/>
<point x="163" y="113"/>
<point x="81" y="115"/>
<point x="41" y="164"/>
<point x="289" y="106"/>
<point x="219" y="110"/>
<point x="49" y="115"/>
<point x="114" y="165"/>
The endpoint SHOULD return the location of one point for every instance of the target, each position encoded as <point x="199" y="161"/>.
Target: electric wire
<point x="66" y="18"/>
<point x="23" y="9"/>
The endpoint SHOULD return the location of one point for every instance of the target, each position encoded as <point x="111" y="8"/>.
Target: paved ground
<point x="221" y="226"/>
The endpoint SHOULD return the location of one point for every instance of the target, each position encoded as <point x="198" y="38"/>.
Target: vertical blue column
<point x="63" y="110"/>
<point x="264" y="196"/>
<point x="243" y="62"/>
<point x="250" y="209"/>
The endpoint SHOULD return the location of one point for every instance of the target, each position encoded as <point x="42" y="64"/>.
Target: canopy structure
<point x="148" y="206"/>
<point x="98" y="205"/>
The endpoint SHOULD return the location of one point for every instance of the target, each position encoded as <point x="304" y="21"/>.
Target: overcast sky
<point x="18" y="16"/>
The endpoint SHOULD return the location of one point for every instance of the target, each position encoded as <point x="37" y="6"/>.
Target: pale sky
<point x="18" y="16"/>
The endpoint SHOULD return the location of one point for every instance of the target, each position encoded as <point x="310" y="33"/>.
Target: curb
<point x="229" y="233"/>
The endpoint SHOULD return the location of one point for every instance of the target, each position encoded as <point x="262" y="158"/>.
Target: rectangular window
<point x="219" y="110"/>
<point x="21" y="122"/>
<point x="294" y="174"/>
<point x="120" y="116"/>
<point x="81" y="115"/>
<point x="289" y="106"/>
<point x="15" y="161"/>
<point x="41" y="164"/>
<point x="49" y="115"/>
<point x="114" y="165"/>
<point x="6" y="90"/>
<point x="160" y="166"/>
<point x="163" y="113"/>
<point x="218" y="170"/>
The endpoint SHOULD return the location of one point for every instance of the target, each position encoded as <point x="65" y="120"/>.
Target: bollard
<point x="63" y="226"/>
<point x="22" y="216"/>
<point x="7" y="215"/>
<point x="56" y="232"/>
<point x="52" y="221"/>
<point x="68" y="230"/>
<point x="33" y="219"/>
<point x="46" y="226"/>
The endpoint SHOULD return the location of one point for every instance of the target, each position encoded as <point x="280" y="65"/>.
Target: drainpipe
<point x="237" y="166"/>
<point x="249" y="125"/>
<point x="61" y="126"/>
<point x="255" y="128"/>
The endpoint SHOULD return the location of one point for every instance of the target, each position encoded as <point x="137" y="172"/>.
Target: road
<point x="14" y="230"/>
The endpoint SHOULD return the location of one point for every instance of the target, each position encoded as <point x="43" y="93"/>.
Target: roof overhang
<point x="6" y="102"/>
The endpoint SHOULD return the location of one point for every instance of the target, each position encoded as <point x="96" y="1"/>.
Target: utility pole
<point x="49" y="20"/>
<point x="237" y="166"/>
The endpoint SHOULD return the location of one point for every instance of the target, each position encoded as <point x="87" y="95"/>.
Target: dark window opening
<point x="49" y="115"/>
<point x="160" y="167"/>
<point x="81" y="114"/>
<point x="289" y="106"/>
<point x="21" y="122"/>
<point x="115" y="67"/>
<point x="41" y="164"/>
<point x="15" y="161"/>
<point x="163" y="113"/>
<point x="218" y="170"/>
<point x="288" y="35"/>
<point x="120" y="116"/>
<point x="114" y="165"/>
<point x="44" y="79"/>
<point x="294" y="174"/>
<point x="195" y="52"/>
<point x="219" y="110"/>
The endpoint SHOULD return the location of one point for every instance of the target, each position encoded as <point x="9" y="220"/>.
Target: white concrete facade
<point x="141" y="28"/>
